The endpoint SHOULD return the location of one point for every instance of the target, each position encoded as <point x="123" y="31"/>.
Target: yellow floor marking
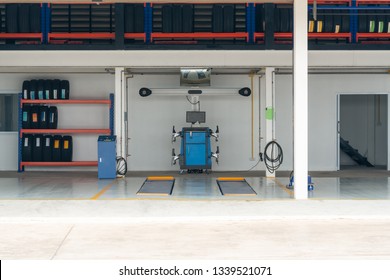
<point x="230" y="179"/>
<point x="161" y="178"/>
<point x="106" y="188"/>
<point x="290" y="192"/>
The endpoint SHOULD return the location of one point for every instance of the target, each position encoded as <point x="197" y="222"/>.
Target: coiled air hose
<point x="273" y="156"/>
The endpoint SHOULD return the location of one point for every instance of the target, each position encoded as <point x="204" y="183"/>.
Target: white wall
<point x="151" y="120"/>
<point x="323" y="91"/>
<point x="82" y="86"/>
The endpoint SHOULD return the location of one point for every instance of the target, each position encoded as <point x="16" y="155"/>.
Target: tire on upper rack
<point x="48" y="89"/>
<point x="328" y="24"/>
<point x="362" y="23"/>
<point x="228" y="19"/>
<point x="139" y="18"/>
<point x="129" y="18"/>
<point x="26" y="90"/>
<point x="33" y="89"/>
<point x="11" y="18"/>
<point x="24" y="18"/>
<point x="345" y="24"/>
<point x="372" y="24"/>
<point x="65" y="87"/>
<point x="167" y="19"/>
<point x="337" y="21"/>
<point x="188" y="18"/>
<point x="259" y="18"/>
<point x="217" y="18"/>
<point x="277" y="20"/>
<point x="41" y="89"/>
<point x="56" y="85"/>
<point x="284" y="20"/>
<point x="177" y="19"/>
<point x="381" y="18"/>
<point x="35" y="18"/>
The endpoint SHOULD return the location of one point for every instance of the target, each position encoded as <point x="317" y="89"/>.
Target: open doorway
<point x="362" y="131"/>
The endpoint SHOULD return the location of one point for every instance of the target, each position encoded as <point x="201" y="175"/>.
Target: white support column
<point x="300" y="99"/>
<point x="118" y="124"/>
<point x="269" y="111"/>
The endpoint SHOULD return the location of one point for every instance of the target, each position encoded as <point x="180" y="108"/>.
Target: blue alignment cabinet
<point x="195" y="148"/>
<point x="107" y="157"/>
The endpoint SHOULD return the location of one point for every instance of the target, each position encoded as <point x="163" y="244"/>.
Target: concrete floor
<point x="76" y="216"/>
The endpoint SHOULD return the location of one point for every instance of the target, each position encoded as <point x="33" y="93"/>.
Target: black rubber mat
<point x="157" y="186"/>
<point x="231" y="187"/>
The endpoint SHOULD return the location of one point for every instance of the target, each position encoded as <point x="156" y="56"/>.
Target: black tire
<point x="35" y="18"/>
<point x="284" y="20"/>
<point x="47" y="148"/>
<point x="129" y="18"/>
<point x="24" y="18"/>
<point x="188" y="18"/>
<point x="228" y="19"/>
<point x="320" y="18"/>
<point x="67" y="148"/>
<point x="362" y="22"/>
<point x="387" y="24"/>
<point x="259" y="27"/>
<point x="53" y="117"/>
<point x="26" y="90"/>
<point x="27" y="142"/>
<point x="57" y="148"/>
<point x="177" y="19"/>
<point x="41" y="88"/>
<point x="64" y="93"/>
<point x="217" y="18"/>
<point x="328" y="24"/>
<point x="26" y="117"/>
<point x="337" y="20"/>
<point x="345" y="24"/>
<point x="48" y="89"/>
<point x="277" y="20"/>
<point x="372" y="21"/>
<point x="33" y="89"/>
<point x="167" y="19"/>
<point x="381" y="19"/>
<point x="11" y="18"/>
<point x="139" y="19"/>
<point x="56" y="84"/>
<point x="291" y="20"/>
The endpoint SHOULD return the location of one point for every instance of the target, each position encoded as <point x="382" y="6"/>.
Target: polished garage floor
<point x="72" y="215"/>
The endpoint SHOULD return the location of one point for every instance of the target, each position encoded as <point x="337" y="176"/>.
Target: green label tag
<point x="372" y="26"/>
<point x="269" y="113"/>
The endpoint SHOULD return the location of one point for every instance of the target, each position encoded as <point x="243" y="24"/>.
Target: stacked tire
<point x="47" y="148"/>
<point x="46" y="89"/>
<point x="23" y="18"/>
<point x="41" y="147"/>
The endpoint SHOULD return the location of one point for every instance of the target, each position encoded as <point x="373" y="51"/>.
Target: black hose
<point x="273" y="162"/>
<point x="121" y="166"/>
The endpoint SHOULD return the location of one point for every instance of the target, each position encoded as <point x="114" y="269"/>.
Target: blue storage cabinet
<point x="195" y="148"/>
<point x="107" y="157"/>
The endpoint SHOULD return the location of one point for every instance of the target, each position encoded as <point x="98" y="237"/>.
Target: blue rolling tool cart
<point x="107" y="157"/>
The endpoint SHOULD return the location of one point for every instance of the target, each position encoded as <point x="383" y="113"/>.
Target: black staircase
<point x="353" y="153"/>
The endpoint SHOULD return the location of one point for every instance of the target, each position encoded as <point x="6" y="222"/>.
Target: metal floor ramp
<point x="233" y="186"/>
<point x="157" y="186"/>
